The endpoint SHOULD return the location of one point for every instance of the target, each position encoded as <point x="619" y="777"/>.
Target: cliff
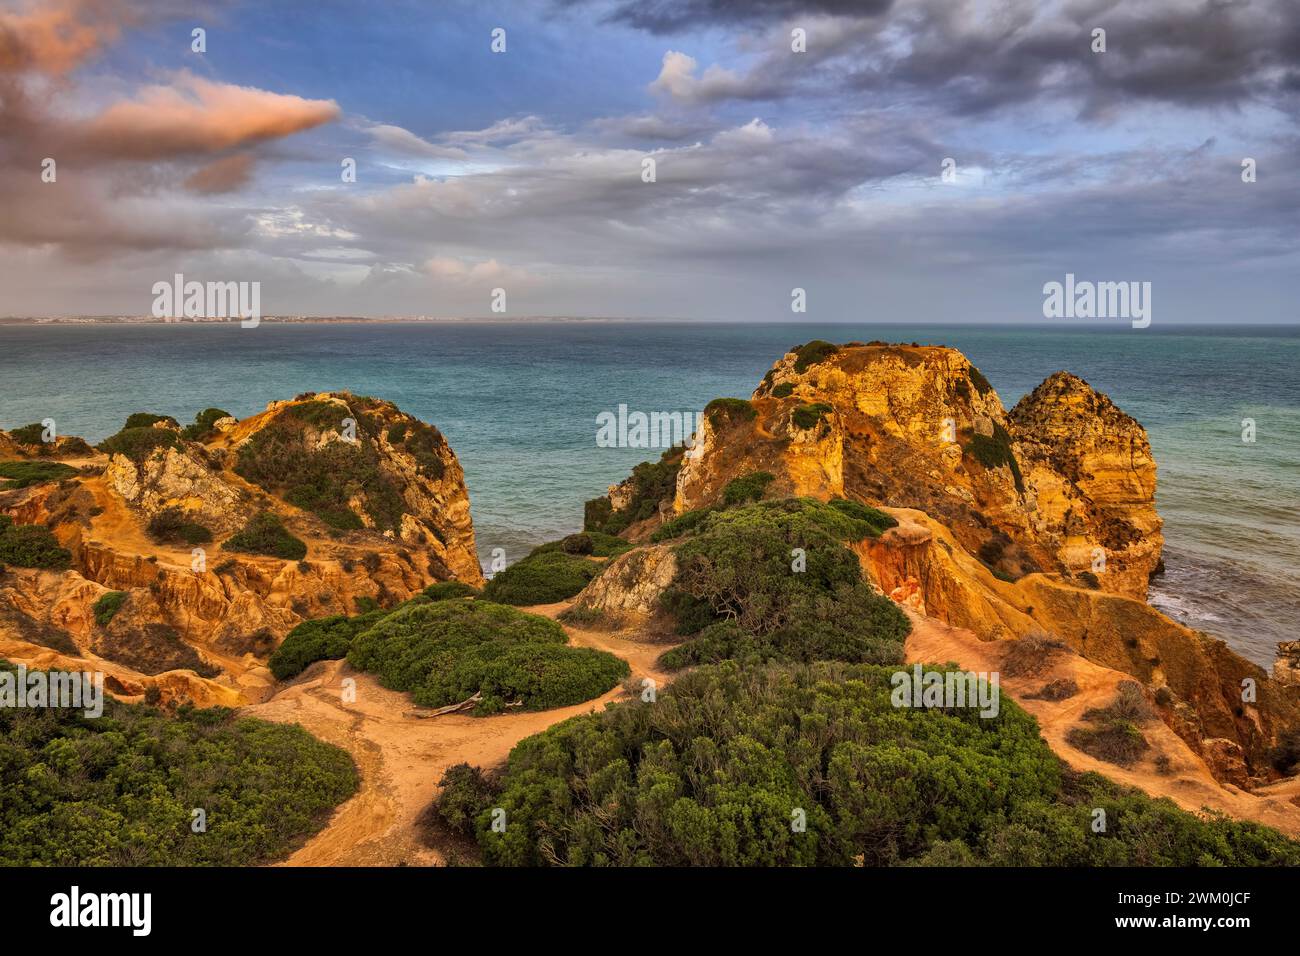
<point x="376" y="497"/>
<point x="1040" y="520"/>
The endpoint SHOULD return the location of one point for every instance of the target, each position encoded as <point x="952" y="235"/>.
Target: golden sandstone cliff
<point x="1037" y="522"/>
<point x="377" y="497"/>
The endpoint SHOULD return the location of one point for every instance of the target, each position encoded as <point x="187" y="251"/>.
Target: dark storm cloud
<point x="674" y="16"/>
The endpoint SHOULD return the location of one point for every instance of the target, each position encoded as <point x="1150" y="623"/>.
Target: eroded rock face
<point x="632" y="583"/>
<point x="1089" y="471"/>
<point x="212" y="614"/>
<point x="1065" y="484"/>
<point x="1037" y="521"/>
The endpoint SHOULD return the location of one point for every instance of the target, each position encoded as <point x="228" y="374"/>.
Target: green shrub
<point x="464" y="790"/>
<point x="746" y="488"/>
<point x="172" y="525"/>
<point x="322" y="639"/>
<point x="810" y="415"/>
<point x="652" y="482"/>
<point x="138" y="443"/>
<point x="995" y="451"/>
<point x="147" y="420"/>
<point x="445" y="652"/>
<point x="446" y="590"/>
<point x="873" y="518"/>
<point x="119" y="789"/>
<point x="710" y="774"/>
<point x="784" y="390"/>
<point x="266" y="534"/>
<point x="31" y="546"/>
<point x="107" y="606"/>
<point x="597" y="544"/>
<point x="814" y="353"/>
<point x="285" y="459"/>
<point x="979" y="381"/>
<point x="32" y="434"/>
<point x="201" y="430"/>
<point x="738" y="573"/>
<point x="684" y="523"/>
<point x="541" y="579"/>
<point x="722" y="412"/>
<point x="23" y="474"/>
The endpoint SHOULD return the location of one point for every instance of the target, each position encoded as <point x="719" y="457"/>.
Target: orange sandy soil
<point x="1190" y="785"/>
<point x="402" y="757"/>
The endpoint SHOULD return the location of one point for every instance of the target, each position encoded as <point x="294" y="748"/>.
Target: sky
<point x="775" y="169"/>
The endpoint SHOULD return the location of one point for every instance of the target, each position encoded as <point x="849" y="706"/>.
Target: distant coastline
<point x="314" y="319"/>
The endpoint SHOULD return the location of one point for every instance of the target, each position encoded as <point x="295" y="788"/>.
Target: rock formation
<point x="1010" y="524"/>
<point x="377" y="497"/>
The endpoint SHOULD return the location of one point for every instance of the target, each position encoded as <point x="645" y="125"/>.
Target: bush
<point x="464" y="790"/>
<point x="172" y="525"/>
<point x="1028" y="655"/>
<point x="23" y="474"/>
<point x="814" y="353"/>
<point x="1116" y="737"/>
<point x="811" y="415"/>
<point x="747" y="488"/>
<point x="445" y="652"/>
<point x="541" y="579"/>
<point x="33" y="434"/>
<point x="722" y="412"/>
<point x="876" y="520"/>
<point x="737" y="573"/>
<point x="201" y="430"/>
<point x="979" y="381"/>
<point x="31" y="546"/>
<point x="1056" y="690"/>
<point x="118" y="790"/>
<point x="107" y="606"/>
<point x="445" y="590"/>
<point x="995" y="451"/>
<point x="710" y="773"/>
<point x="326" y="638"/>
<point x="266" y="534"/>
<point x="652" y="482"/>
<point x="784" y="390"/>
<point x="285" y="459"/>
<point x="138" y="443"/>
<point x="684" y="523"/>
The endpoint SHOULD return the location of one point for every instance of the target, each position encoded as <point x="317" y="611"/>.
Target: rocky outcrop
<point x="216" y="615"/>
<point x="631" y="584"/>
<point x="1091" y="479"/>
<point x="1041" y="520"/>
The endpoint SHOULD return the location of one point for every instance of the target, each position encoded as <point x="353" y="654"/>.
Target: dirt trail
<point x="1190" y="785"/>
<point x="402" y="757"/>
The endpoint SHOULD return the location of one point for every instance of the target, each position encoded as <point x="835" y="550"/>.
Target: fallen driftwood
<point x="466" y="704"/>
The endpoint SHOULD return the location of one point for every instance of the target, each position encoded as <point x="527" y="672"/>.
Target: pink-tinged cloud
<point x="197" y="116"/>
<point x="54" y="37"/>
<point x="223" y="175"/>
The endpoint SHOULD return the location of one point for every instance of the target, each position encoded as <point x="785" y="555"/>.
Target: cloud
<point x="403" y="142"/>
<point x="674" y="16"/>
<point x="55" y="37"/>
<point x="196" y="116"/>
<point x="678" y="80"/>
<point x="223" y="175"/>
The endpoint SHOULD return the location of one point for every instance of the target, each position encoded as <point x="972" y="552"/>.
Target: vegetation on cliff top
<point x="31" y="546"/>
<point x="285" y="458"/>
<point x="995" y="451"/>
<point x="266" y="534"/>
<point x="23" y="474"/>
<point x="821" y="744"/>
<point x="541" y="578"/>
<point x="321" y="639"/>
<point x="445" y="652"/>
<point x="121" y="789"/>
<point x="774" y="581"/>
<point x="814" y="353"/>
<point x="652" y="482"/>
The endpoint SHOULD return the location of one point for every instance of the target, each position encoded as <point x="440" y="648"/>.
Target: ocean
<point x="519" y="401"/>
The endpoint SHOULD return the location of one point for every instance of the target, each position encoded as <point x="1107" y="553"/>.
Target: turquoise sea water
<point x="518" y="402"/>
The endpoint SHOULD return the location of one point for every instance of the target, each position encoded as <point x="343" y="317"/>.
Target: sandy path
<point x="402" y="757"/>
<point x="1191" y="785"/>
